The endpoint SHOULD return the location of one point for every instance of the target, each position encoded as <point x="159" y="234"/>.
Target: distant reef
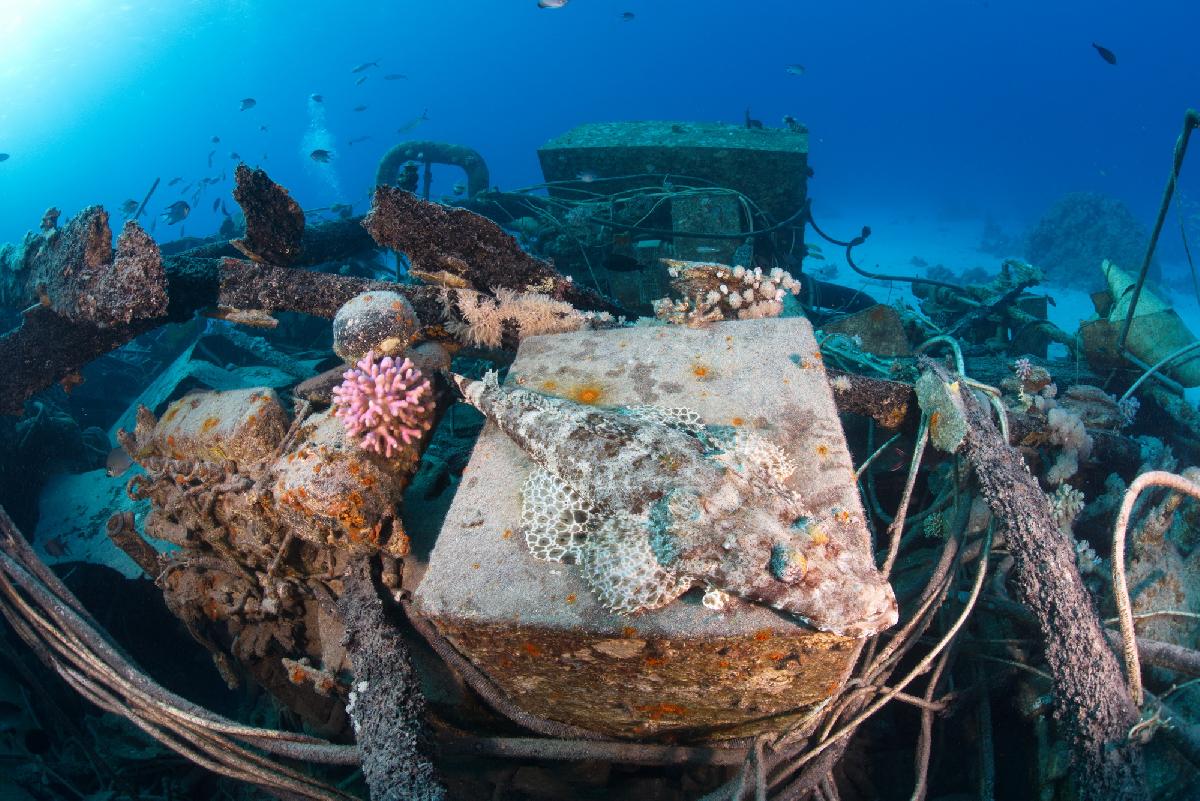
<point x="1079" y="231"/>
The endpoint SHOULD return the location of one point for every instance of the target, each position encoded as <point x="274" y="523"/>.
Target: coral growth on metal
<point x="384" y="404"/>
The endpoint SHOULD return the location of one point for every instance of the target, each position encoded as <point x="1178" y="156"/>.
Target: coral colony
<point x="386" y="403"/>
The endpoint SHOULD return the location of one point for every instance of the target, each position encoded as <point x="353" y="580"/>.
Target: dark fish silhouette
<point x="234" y="156"/>
<point x="216" y="140"/>
<point x="129" y="207"/>
<point x="174" y="181"/>
<point x="247" y="103"/>
<point x="360" y="108"/>
<point x="4" y="157"/>
<point x="627" y="16"/>
<point x="176" y="212"/>
<point x="317" y="98"/>
<point x="1106" y="54"/>
<point x="216" y="204"/>
<point x="365" y="66"/>
<point x="358" y="139"/>
<point x="751" y="122"/>
<point x="210" y="157"/>
<point x="262" y="128"/>
<point x="623" y="264"/>
<point x="359" y="82"/>
<point x="321" y="156"/>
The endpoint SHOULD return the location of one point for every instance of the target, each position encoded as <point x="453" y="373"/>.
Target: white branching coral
<point x="1066" y="503"/>
<point x="719" y="292"/>
<point x="484" y="319"/>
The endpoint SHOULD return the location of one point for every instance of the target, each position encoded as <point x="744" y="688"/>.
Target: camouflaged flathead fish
<point x="650" y="502"/>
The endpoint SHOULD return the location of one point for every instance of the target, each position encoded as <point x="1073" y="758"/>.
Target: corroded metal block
<point x="768" y="165"/>
<point x="683" y="670"/>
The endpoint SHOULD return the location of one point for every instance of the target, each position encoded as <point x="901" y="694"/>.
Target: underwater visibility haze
<point x="578" y="399"/>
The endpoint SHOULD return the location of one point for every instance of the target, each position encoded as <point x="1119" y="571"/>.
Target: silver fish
<point x="686" y="504"/>
<point x="117" y="463"/>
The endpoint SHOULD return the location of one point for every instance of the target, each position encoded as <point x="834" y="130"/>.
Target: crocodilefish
<point x="649" y="502"/>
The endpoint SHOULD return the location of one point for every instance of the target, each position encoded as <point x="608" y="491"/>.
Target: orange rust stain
<point x="211" y="611"/>
<point x="819" y="537"/>
<point x="933" y="422"/>
<point x="700" y="370"/>
<point x="662" y="709"/>
<point x="397" y="305"/>
<point x="296" y="676"/>
<point x="353" y="469"/>
<point x="531" y="649"/>
<point x="507" y="535"/>
<point x="822" y="450"/>
<point x="629" y="631"/>
<point x="571" y="598"/>
<point x="723" y="664"/>
<point x="587" y="393"/>
<point x="550" y="385"/>
<point x="655" y="661"/>
<point x="775" y="656"/>
<point x="368" y="481"/>
<point x="818" y="355"/>
<point x="170" y="415"/>
<point x="474" y="565"/>
<point x="170" y="441"/>
<point x="737" y="421"/>
<point x="209" y="424"/>
<point x="843" y="516"/>
<point x="252" y="418"/>
<point x="762" y="635"/>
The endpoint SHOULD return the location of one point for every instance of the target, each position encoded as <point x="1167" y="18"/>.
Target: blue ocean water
<point x="931" y="109"/>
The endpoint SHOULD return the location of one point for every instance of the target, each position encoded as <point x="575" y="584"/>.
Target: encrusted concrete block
<point x="244" y="425"/>
<point x="683" y="670"/>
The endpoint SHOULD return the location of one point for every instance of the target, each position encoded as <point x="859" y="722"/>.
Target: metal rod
<point x="1191" y="120"/>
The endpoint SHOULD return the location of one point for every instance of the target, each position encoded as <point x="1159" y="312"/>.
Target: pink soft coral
<point x="385" y="404"/>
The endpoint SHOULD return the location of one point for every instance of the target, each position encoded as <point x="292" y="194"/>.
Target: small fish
<point x="248" y="103"/>
<point x="623" y="264"/>
<point x="459" y="188"/>
<point x="360" y="108"/>
<point x="262" y="128"/>
<point x="1106" y="54"/>
<point x="216" y="204"/>
<point x="224" y="210"/>
<point x="321" y="156"/>
<point x="707" y="250"/>
<point x="365" y="66"/>
<point x="210" y="157"/>
<point x="55" y="547"/>
<point x="551" y="3"/>
<point x="216" y="140"/>
<point x="129" y="207"/>
<point x="358" y="139"/>
<point x="794" y="69"/>
<point x="394" y="76"/>
<point x="587" y="176"/>
<point x="343" y="210"/>
<point x="234" y="156"/>
<point x="414" y="122"/>
<point x="4" y="157"/>
<point x="627" y="16"/>
<point x="317" y="98"/>
<point x="117" y="463"/>
<point x="360" y="81"/>
<point x="174" y="181"/>
<point x="176" y="212"/>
